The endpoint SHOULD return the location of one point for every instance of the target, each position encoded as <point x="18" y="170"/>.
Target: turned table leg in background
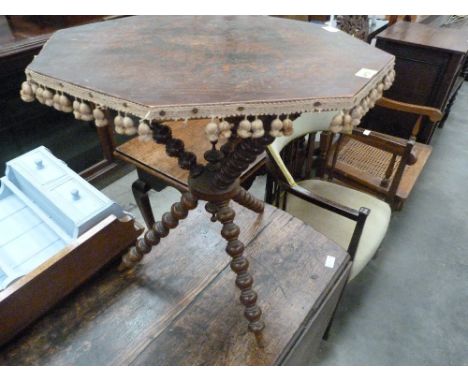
<point x="246" y="199"/>
<point x="140" y="192"/>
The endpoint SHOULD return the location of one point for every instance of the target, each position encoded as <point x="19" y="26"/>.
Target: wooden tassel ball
<point x="118" y="124"/>
<point x="76" y="109"/>
<point x="85" y="112"/>
<point x="276" y="126"/>
<point x="212" y="131"/>
<point x="27" y="92"/>
<point x="129" y="126"/>
<point x="40" y="95"/>
<point x="145" y="133"/>
<point x="56" y="102"/>
<point x="99" y="117"/>
<point x="244" y="129"/>
<point x="288" y="127"/>
<point x="225" y="129"/>
<point x="48" y="97"/>
<point x="65" y="103"/>
<point x="337" y="122"/>
<point x="257" y="128"/>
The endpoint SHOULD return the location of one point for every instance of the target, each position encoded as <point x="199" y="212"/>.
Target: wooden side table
<point x="251" y="76"/>
<point x="177" y="309"/>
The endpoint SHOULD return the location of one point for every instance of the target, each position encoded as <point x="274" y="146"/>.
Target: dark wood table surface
<point x="164" y="63"/>
<point x="178" y="308"/>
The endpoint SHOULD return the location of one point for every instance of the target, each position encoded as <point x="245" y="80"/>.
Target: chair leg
<point x="269" y="189"/>
<point x="152" y="237"/>
<point x="240" y="265"/>
<point x="398" y="204"/>
<point x="140" y="193"/>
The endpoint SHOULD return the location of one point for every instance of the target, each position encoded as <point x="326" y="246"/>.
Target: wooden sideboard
<point x="24" y="126"/>
<point x="429" y="64"/>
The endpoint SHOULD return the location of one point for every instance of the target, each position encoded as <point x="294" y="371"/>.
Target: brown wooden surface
<point x="191" y="60"/>
<point x="178" y="307"/>
<point x="426" y="35"/>
<point x="152" y="158"/>
<point x="32" y="295"/>
<point x="428" y="61"/>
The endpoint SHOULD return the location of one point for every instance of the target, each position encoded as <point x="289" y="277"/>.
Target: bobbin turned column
<point x="160" y="229"/>
<point x="218" y="205"/>
<point x="246" y="199"/>
<point x="240" y="265"/>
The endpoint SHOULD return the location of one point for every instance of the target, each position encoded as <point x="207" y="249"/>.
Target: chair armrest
<point x="359" y="217"/>
<point x="434" y="114"/>
<point x="329" y="205"/>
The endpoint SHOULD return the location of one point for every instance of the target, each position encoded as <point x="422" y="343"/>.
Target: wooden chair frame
<point x="388" y="186"/>
<point x="284" y="183"/>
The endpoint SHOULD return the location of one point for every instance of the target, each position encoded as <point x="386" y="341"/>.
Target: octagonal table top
<point x="172" y="67"/>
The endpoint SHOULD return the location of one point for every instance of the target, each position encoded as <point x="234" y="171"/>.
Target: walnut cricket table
<point x="252" y="75"/>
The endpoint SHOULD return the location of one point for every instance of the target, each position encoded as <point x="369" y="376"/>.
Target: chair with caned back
<point x="385" y="166"/>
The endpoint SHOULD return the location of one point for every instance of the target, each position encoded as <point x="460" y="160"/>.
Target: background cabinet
<point x="24" y="126"/>
<point x="429" y="64"/>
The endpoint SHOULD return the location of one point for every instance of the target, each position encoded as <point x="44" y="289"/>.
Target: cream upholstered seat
<point x="339" y="228"/>
<point x="353" y="219"/>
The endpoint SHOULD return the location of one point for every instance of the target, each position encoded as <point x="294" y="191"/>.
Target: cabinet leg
<point x="160" y="229"/>
<point x="240" y="265"/>
<point x="246" y="199"/>
<point x="140" y="193"/>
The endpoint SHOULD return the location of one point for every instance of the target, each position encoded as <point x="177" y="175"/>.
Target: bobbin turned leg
<point x="160" y="229"/>
<point x="240" y="265"/>
<point x="246" y="199"/>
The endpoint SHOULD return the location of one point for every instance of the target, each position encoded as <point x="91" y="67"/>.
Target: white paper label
<point x="330" y="261"/>
<point x="366" y="132"/>
<point x="330" y="29"/>
<point x="366" y="73"/>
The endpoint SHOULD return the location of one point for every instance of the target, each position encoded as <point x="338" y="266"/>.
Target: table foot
<point x="260" y="339"/>
<point x="160" y="229"/>
<point x="240" y="265"/>
<point x="246" y="199"/>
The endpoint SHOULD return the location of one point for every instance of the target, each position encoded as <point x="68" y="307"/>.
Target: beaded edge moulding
<point x="89" y="105"/>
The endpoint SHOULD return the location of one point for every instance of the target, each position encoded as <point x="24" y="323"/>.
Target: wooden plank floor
<point x="181" y="306"/>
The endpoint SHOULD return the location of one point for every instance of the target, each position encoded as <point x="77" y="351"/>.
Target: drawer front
<point x="38" y="168"/>
<point x="76" y="201"/>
